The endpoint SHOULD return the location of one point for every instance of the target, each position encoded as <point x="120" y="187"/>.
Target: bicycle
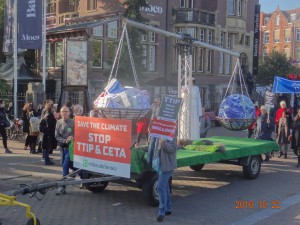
<point x="16" y="130"/>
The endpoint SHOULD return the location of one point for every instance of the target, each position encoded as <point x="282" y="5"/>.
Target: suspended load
<point x="236" y="111"/>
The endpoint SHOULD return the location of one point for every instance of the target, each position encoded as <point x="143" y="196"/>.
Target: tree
<point x="132" y="12"/>
<point x="275" y="64"/>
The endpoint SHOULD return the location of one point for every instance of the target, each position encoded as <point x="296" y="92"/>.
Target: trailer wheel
<point x="252" y="170"/>
<point x="149" y="189"/>
<point x="197" y="167"/>
<point x="31" y="222"/>
<point x="94" y="187"/>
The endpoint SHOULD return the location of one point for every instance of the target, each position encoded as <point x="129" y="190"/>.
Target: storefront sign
<point x="103" y="145"/>
<point x="152" y="9"/>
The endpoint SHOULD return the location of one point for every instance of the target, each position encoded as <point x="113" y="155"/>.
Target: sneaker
<point x="168" y="213"/>
<point x="60" y="191"/>
<point x="7" y="151"/>
<point x="160" y="218"/>
<point x="49" y="163"/>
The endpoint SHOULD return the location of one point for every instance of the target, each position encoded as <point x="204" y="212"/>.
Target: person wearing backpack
<point x="31" y="138"/>
<point x="3" y="125"/>
<point x="47" y="127"/>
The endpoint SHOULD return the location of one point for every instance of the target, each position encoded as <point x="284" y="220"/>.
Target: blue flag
<point x="282" y="85"/>
<point x="8" y="40"/>
<point x="30" y="24"/>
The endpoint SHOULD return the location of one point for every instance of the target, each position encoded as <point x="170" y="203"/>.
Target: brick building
<point x="227" y="24"/>
<point x="280" y="31"/>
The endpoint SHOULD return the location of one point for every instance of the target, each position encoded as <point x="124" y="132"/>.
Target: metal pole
<point x="178" y="36"/>
<point x="15" y="58"/>
<point x="44" y="43"/>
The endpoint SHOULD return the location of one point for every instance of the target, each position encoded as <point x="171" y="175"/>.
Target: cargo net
<point x="236" y="112"/>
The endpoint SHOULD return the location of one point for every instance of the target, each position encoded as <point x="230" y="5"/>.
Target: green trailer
<point x="238" y="151"/>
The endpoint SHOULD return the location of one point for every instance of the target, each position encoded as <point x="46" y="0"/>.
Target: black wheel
<point x="197" y="167"/>
<point x="94" y="187"/>
<point x="149" y="189"/>
<point x="252" y="170"/>
<point x="31" y="222"/>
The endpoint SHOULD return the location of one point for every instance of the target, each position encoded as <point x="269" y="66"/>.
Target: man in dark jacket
<point x="264" y="128"/>
<point x="167" y="161"/>
<point x="3" y="121"/>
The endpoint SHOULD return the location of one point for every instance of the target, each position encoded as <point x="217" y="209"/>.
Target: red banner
<point x="163" y="129"/>
<point x="103" y="145"/>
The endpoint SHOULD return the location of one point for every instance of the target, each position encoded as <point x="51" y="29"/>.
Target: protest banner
<point x="163" y="129"/>
<point x="103" y="145"/>
<point x="269" y="100"/>
<point x="169" y="107"/>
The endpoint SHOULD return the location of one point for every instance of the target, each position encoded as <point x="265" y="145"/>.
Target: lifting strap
<point x="115" y="67"/>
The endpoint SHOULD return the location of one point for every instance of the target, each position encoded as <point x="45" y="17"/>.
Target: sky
<point x="268" y="6"/>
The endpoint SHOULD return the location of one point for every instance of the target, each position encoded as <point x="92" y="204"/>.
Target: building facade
<point x="280" y="31"/>
<point x="224" y="23"/>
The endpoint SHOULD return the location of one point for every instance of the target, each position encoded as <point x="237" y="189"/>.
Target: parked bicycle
<point x="16" y="130"/>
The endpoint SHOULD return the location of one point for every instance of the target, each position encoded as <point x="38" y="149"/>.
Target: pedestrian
<point x="167" y="163"/>
<point x="47" y="127"/>
<point x="205" y="124"/>
<point x="70" y="106"/>
<point x="31" y="138"/>
<point x="64" y="133"/>
<point x="279" y="112"/>
<point x="283" y="133"/>
<point x="295" y="136"/>
<point x="95" y="112"/>
<point x="264" y="128"/>
<point x="3" y="125"/>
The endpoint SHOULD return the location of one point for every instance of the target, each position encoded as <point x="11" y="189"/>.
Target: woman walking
<point x="3" y="119"/>
<point x="283" y="133"/>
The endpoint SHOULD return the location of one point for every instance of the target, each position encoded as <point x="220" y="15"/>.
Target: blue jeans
<point x="163" y="188"/>
<point x="65" y="161"/>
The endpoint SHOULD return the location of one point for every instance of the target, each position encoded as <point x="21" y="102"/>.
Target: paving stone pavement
<point x="207" y="197"/>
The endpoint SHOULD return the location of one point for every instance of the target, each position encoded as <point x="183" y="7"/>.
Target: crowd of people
<point x="283" y="123"/>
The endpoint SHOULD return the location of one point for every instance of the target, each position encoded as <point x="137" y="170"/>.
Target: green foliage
<point x="4" y="86"/>
<point x="274" y="64"/>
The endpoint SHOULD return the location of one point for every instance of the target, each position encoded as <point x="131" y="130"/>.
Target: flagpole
<point x="44" y="44"/>
<point x="15" y="58"/>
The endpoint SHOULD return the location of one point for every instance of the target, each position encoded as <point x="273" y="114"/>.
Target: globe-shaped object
<point x="236" y="112"/>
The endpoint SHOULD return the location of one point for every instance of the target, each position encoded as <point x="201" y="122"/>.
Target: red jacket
<point x="142" y="125"/>
<point x="279" y="114"/>
<point x="257" y="113"/>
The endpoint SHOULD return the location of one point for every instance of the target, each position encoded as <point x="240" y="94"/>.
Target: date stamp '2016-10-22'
<point x="262" y="204"/>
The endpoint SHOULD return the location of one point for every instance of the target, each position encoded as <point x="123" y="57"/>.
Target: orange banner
<point x="103" y="139"/>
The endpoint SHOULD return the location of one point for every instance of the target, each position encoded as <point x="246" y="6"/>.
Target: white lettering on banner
<point x="26" y="37"/>
<point x="152" y="9"/>
<point x="100" y="138"/>
<point x="295" y="84"/>
<point x="106" y="150"/>
<point x="31" y="12"/>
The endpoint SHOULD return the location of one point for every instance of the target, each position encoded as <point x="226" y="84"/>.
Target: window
<point x="201" y="59"/>
<point x="287" y="35"/>
<point x="144" y="36"/>
<point x="297" y="54"/>
<point x="152" y="37"/>
<point x="193" y="59"/>
<point x="276" y="36"/>
<point x="152" y="57"/>
<point x="111" y="52"/>
<point x="240" y="8"/>
<point x="293" y="17"/>
<point x="221" y="63"/>
<point x="231" y="7"/>
<point x="144" y="54"/>
<point x="222" y="39"/>
<point x="298" y="35"/>
<point x="186" y="3"/>
<point x="98" y="31"/>
<point x="266" y="20"/>
<point x="242" y="39"/>
<point x="209" y="61"/>
<point x="266" y="37"/>
<point x="182" y="3"/>
<point x="209" y="36"/>
<point x="59" y="54"/>
<point x="227" y="64"/>
<point x="287" y="52"/>
<point x="91" y="4"/>
<point x="247" y="40"/>
<point x="229" y="41"/>
<point x="97" y="53"/>
<point x="71" y="2"/>
<point x="191" y="31"/>
<point x="112" y="29"/>
<point x="277" y="19"/>
<point x="49" y="60"/>
<point x="51" y="6"/>
<point x="202" y="35"/>
<point x="265" y="52"/>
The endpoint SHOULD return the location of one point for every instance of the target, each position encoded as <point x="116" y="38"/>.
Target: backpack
<point x="34" y="125"/>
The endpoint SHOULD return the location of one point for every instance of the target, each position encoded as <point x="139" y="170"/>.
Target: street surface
<point x="217" y="195"/>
